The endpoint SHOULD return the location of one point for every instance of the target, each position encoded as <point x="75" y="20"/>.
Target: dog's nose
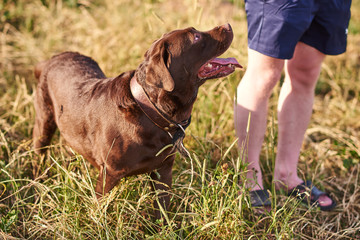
<point x="226" y="27"/>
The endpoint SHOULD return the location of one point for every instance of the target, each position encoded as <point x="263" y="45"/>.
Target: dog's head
<point x="187" y="57"/>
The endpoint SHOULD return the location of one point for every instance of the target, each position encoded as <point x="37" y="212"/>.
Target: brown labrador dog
<point x="121" y="124"/>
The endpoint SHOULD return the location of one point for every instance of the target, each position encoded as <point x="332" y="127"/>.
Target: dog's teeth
<point x="209" y="65"/>
<point x="231" y="65"/>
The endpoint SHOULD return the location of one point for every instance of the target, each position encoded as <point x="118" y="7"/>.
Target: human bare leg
<point x="253" y="93"/>
<point x="294" y="113"/>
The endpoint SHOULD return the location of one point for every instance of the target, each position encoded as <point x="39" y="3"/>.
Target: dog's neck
<point x="156" y="115"/>
<point x="171" y="106"/>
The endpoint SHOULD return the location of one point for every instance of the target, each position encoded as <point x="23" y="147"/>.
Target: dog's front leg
<point x="162" y="183"/>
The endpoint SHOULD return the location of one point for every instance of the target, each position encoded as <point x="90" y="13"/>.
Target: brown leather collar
<point x="154" y="113"/>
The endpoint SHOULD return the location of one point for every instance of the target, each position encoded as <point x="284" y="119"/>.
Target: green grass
<point x="53" y="197"/>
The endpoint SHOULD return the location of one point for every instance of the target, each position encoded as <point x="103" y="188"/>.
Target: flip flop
<point x="310" y="194"/>
<point x="260" y="198"/>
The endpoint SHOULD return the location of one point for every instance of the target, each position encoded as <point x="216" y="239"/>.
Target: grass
<point x="52" y="197"/>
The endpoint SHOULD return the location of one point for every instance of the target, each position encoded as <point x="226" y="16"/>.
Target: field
<point x="52" y="197"/>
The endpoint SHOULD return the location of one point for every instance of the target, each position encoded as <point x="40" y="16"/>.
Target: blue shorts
<point x="276" y="26"/>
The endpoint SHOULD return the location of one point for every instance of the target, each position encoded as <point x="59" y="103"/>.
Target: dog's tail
<point x="39" y="68"/>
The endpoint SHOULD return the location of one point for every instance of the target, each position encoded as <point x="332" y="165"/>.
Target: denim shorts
<point x="276" y="26"/>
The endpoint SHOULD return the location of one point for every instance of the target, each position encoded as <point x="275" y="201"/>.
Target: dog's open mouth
<point x="218" y="67"/>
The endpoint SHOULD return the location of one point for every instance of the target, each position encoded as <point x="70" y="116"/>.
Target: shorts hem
<point x="321" y="49"/>
<point x="272" y="54"/>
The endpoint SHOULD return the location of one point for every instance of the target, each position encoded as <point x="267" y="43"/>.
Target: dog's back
<point x="73" y="63"/>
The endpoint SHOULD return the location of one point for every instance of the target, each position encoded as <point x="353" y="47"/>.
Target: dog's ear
<point x="157" y="70"/>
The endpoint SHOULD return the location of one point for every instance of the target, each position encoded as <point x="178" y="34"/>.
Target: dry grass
<point x="53" y="197"/>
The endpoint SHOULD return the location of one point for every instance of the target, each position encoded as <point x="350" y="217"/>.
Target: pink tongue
<point x="226" y="61"/>
<point x="218" y="67"/>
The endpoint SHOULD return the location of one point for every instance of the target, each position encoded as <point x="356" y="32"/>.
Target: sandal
<point x="301" y="192"/>
<point x="260" y="198"/>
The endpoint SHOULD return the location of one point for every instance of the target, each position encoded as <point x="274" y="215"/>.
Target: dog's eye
<point x="197" y="37"/>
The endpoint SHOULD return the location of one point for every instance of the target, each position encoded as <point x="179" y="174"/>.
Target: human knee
<point x="303" y="77"/>
<point x="261" y="81"/>
<point x="304" y="69"/>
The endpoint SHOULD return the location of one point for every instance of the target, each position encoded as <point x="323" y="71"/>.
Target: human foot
<point x="310" y="194"/>
<point x="260" y="201"/>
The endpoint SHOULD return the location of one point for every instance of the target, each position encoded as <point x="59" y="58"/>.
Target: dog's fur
<point x="99" y="118"/>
